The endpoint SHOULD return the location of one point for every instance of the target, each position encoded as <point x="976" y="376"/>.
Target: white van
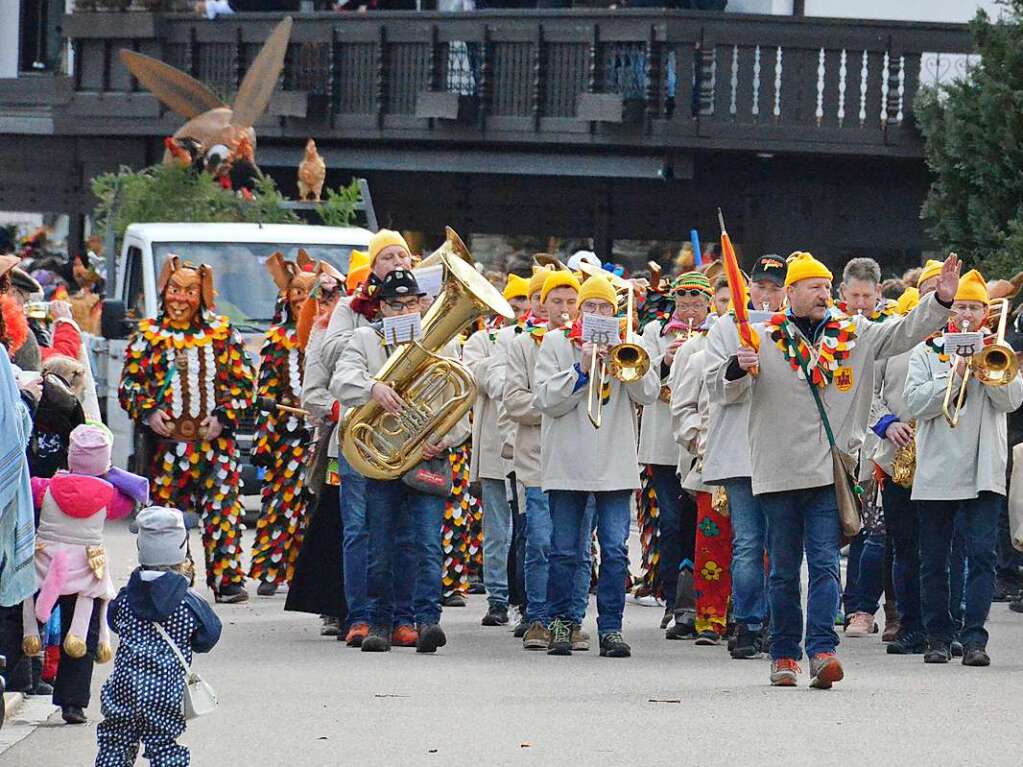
<point x="245" y="293"/>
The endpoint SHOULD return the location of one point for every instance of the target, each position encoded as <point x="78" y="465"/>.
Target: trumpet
<point x="627" y="361"/>
<point x="994" y="365"/>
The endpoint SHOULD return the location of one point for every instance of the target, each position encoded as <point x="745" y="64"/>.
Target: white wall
<point x="905" y="10"/>
<point x="777" y="7"/>
<point x="9" y="14"/>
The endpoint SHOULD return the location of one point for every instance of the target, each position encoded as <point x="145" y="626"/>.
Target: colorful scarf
<point x="836" y="343"/>
<point x="881" y="312"/>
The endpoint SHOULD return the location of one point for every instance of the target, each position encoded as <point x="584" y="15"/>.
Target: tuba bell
<point x="437" y="391"/>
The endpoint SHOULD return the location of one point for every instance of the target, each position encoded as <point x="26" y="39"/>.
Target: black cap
<point x="769" y="267"/>
<point x="24" y="281"/>
<point x="399" y="284"/>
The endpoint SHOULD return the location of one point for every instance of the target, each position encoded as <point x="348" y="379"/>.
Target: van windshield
<point x="245" y="292"/>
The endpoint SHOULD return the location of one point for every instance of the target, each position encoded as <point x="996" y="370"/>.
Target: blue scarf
<point x="17" y="522"/>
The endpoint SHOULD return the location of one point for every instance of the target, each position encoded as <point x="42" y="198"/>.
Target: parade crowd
<point x="744" y="423"/>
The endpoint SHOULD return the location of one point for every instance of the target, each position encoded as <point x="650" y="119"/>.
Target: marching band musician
<point x="490" y="436"/>
<point x="578" y="460"/>
<point x="387" y="251"/>
<point x="726" y="463"/>
<point x="890" y="422"/>
<point x="960" y="477"/>
<point x="806" y="346"/>
<point x="404" y="524"/>
<point x="552" y="294"/>
<point x="658" y="449"/>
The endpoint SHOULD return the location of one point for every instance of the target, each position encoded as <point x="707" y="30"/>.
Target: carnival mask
<point x="295" y="279"/>
<point x="298" y="290"/>
<point x="186" y="290"/>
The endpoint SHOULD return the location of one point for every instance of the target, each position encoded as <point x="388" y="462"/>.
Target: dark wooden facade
<point x="612" y="124"/>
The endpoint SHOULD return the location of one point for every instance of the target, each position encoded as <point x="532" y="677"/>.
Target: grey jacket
<point x="519" y="355"/>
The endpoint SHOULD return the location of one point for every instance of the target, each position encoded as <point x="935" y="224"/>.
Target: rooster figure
<point x="312" y="172"/>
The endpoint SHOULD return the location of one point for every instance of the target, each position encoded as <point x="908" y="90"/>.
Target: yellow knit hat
<point x="540" y="274"/>
<point x="516" y="287"/>
<point x="558" y="278"/>
<point x="598" y="288"/>
<point x="358" y="269"/>
<point x="907" y="301"/>
<point x="972" y="287"/>
<point x="931" y="269"/>
<point x="385" y="238"/>
<point x="803" y="266"/>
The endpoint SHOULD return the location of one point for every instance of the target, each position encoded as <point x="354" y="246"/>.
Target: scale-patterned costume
<point x="189" y="375"/>
<point x="281" y="446"/>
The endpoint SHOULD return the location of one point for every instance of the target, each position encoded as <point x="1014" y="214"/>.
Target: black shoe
<point x="666" y="619"/>
<point x="907" y="643"/>
<point x="73" y="715"/>
<point x="378" y="639"/>
<point x="431" y="636"/>
<point x="40" y="689"/>
<point x="684" y="628"/>
<point x="956" y="648"/>
<point x="231" y="594"/>
<point x="455" y="599"/>
<point x="477" y="587"/>
<point x="937" y="652"/>
<point x="266" y="588"/>
<point x="561" y="637"/>
<point x="975" y="655"/>
<point x="331" y="626"/>
<point x="520" y="629"/>
<point x="747" y="645"/>
<point x="708" y="638"/>
<point x="1016" y="605"/>
<point x="1006" y="591"/>
<point x="613" y="646"/>
<point x="497" y="615"/>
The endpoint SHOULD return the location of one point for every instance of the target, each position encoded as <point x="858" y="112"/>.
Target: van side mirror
<point x="113" y="320"/>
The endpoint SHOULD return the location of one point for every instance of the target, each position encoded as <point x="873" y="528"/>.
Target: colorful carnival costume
<point x="282" y="439"/>
<point x="188" y="378"/>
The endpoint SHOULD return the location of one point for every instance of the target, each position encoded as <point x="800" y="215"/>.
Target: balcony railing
<point x="589" y="78"/>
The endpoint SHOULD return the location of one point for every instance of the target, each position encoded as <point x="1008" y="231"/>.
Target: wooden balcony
<point x="633" y="80"/>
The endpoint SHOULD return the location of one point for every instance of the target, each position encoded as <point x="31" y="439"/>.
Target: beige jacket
<point x="364" y="355"/>
<point x="489" y="423"/>
<point x="690" y="410"/>
<point x="656" y="444"/>
<point x="888" y="400"/>
<point x="728" y="454"/>
<point x="575" y="455"/>
<point x="960" y="463"/>
<point x="316" y="397"/>
<point x="519" y="355"/>
<point x="343" y="323"/>
<point x="788" y="445"/>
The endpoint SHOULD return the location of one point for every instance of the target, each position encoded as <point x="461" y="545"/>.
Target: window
<point x="134" y="290"/>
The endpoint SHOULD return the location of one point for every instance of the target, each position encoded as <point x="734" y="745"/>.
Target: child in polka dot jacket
<point x="142" y="699"/>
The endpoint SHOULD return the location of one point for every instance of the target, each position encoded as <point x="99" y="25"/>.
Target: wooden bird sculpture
<point x="212" y="125"/>
<point x="312" y="172"/>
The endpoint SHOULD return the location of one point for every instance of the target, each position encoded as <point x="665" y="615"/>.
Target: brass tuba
<point x="437" y="391"/>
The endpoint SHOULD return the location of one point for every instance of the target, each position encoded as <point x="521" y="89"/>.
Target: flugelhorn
<point x="436" y="391"/>
<point x="665" y="395"/>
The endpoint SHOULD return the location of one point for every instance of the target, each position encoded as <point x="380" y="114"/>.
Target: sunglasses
<point x="690" y="293"/>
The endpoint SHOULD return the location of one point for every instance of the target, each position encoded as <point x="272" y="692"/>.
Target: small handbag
<point x="199" y="698"/>
<point x="432" y="476"/>
<point x="843" y="466"/>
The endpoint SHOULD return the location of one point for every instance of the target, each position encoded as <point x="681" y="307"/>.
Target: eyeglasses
<point x="401" y="305"/>
<point x="691" y="293"/>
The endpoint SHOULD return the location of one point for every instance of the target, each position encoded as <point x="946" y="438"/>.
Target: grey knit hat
<point x="162" y="536"/>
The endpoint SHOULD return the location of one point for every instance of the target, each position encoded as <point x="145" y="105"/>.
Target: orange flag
<point x="737" y="287"/>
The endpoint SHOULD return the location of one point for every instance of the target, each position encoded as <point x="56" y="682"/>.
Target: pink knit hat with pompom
<point x="89" y="451"/>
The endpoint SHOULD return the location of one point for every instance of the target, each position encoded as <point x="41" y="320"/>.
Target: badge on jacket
<point x="844" y="379"/>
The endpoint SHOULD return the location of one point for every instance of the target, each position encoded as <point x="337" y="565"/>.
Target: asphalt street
<point x="291" y="697"/>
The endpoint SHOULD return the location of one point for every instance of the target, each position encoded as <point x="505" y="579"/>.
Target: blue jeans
<point x="570" y="543"/>
<point x="538" y="550"/>
<point x="864" y="575"/>
<point x="749" y="541"/>
<point x="405" y="570"/>
<point x="354" y="541"/>
<point x="901" y="522"/>
<point x="497" y="537"/>
<point x="978" y="521"/>
<point x="800" y="520"/>
<point x="668" y="489"/>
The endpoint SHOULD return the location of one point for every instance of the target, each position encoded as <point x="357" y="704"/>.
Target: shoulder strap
<point x="813" y="389"/>
<point x="174" y="648"/>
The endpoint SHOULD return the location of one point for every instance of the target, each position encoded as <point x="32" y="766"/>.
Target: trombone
<point x="994" y="365"/>
<point x="627" y="361"/>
